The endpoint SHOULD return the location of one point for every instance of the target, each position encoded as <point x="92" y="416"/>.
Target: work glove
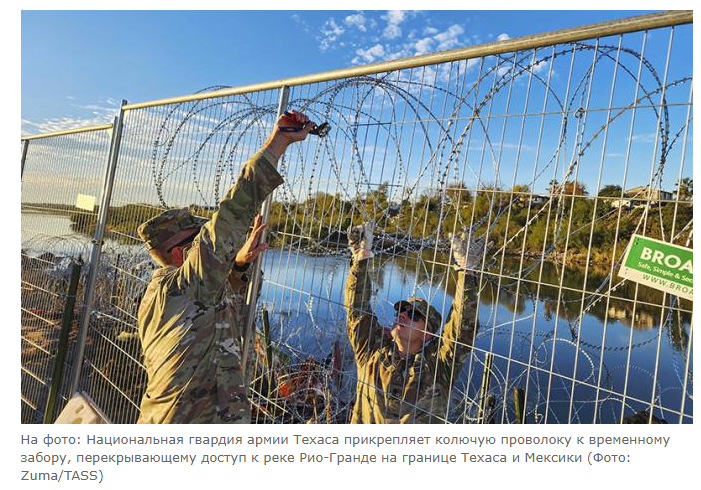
<point x="467" y="255"/>
<point x="360" y="241"/>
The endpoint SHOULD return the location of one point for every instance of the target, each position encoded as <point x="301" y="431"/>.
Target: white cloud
<point x="393" y="18"/>
<point x="300" y="22"/>
<point x="450" y="38"/>
<point x="429" y="74"/>
<point x="512" y="146"/>
<point x="469" y="64"/>
<point x="540" y="66"/>
<point x="503" y="37"/>
<point x="97" y="114"/>
<point x="394" y="40"/>
<point x="423" y="46"/>
<point x="100" y="110"/>
<point x="330" y="32"/>
<point x="369" y="55"/>
<point x="332" y="29"/>
<point x="357" y="20"/>
<point x="644" y="137"/>
<point x="439" y="41"/>
<point x="62" y="124"/>
<point x="401" y="53"/>
<point x="503" y="70"/>
<point x="392" y="32"/>
<point x="450" y="71"/>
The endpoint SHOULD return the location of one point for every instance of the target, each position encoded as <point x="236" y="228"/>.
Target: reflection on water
<point x="55" y="233"/>
<point x="50" y="233"/>
<point x="611" y="361"/>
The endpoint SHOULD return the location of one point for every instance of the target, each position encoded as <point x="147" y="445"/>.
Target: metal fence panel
<point x="523" y="149"/>
<point x="55" y="171"/>
<point x="499" y="133"/>
<point x="176" y="155"/>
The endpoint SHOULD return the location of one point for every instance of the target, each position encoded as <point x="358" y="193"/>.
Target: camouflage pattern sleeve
<point x="239" y="277"/>
<point x="459" y="332"/>
<point x="209" y="261"/>
<point x="364" y="331"/>
<point x="431" y="408"/>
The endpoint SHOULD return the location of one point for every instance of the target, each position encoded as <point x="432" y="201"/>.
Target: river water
<point x="609" y="361"/>
<point x="622" y="356"/>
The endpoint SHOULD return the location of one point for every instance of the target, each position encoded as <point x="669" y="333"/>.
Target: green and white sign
<point x="659" y="265"/>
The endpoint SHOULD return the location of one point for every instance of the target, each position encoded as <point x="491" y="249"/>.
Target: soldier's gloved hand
<point x="360" y="241"/>
<point x="467" y="255"/>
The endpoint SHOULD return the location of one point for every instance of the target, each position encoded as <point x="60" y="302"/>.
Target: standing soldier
<point x="190" y="320"/>
<point x="408" y="379"/>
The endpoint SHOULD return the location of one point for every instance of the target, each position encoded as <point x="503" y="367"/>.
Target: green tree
<point x="685" y="189"/>
<point x="611" y="190"/>
<point x="457" y="192"/>
<point x="572" y="188"/>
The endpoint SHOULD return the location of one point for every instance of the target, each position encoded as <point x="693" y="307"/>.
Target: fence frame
<point x="25" y="147"/>
<point x="60" y="371"/>
<point x="66" y="322"/>
<point x="97" y="241"/>
<point x="26" y="139"/>
<point x="589" y="31"/>
<point x="251" y="294"/>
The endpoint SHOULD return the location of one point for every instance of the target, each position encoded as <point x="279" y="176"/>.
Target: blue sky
<point x="77" y="65"/>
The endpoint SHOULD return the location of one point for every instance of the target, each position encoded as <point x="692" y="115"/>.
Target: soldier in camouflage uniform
<point x="190" y="318"/>
<point x="408" y="379"/>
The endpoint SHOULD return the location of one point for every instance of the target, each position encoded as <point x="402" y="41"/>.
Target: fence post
<point x="62" y="348"/>
<point x="97" y="241"/>
<point x="519" y="405"/>
<point x="484" y="403"/>
<point x="254" y="287"/>
<point x="266" y="341"/>
<point x="25" y="146"/>
<point x="267" y="384"/>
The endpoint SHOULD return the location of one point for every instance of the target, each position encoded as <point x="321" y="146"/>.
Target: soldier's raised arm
<point x="460" y="329"/>
<point x="209" y="262"/>
<point x="364" y="331"/>
<point x="253" y="246"/>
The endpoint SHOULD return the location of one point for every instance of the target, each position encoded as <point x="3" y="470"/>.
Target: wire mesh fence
<point x="170" y="156"/>
<point x="555" y="156"/>
<point x="55" y="171"/>
<point x="533" y="151"/>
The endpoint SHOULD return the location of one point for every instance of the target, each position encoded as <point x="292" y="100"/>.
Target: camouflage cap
<point x="158" y="231"/>
<point x="434" y="320"/>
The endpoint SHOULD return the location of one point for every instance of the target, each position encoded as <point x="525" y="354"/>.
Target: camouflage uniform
<point x="412" y="389"/>
<point x="191" y="318"/>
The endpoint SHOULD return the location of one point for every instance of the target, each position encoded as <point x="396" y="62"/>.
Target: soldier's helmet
<point x="434" y="320"/>
<point x="160" y="231"/>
